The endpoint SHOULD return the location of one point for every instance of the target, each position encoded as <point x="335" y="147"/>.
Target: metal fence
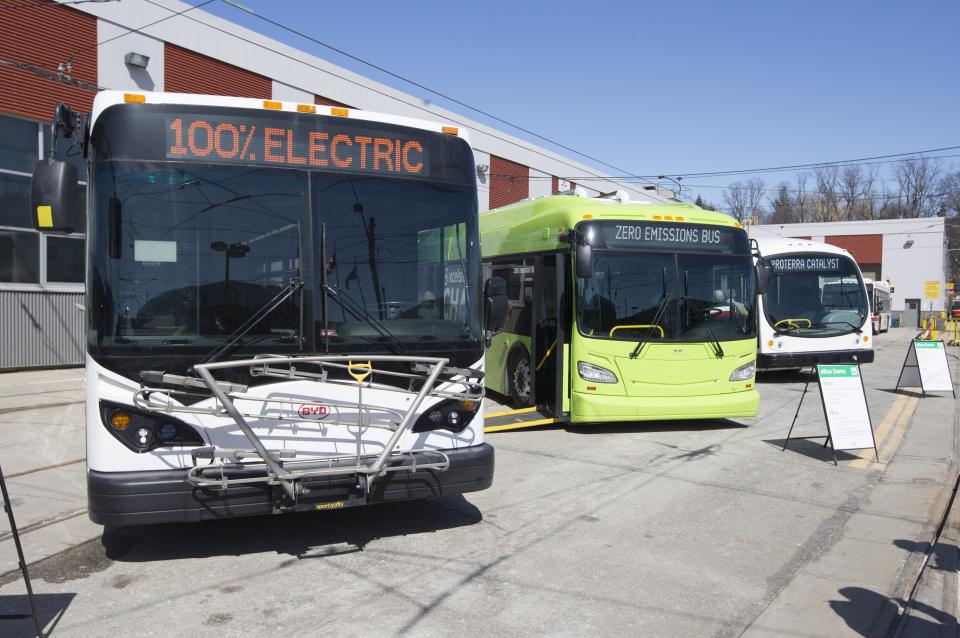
<point x="41" y="328"/>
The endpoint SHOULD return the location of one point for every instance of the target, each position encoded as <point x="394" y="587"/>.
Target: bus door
<point x="548" y="335"/>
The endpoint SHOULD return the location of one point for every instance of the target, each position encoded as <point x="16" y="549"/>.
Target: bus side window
<point x="519" y="277"/>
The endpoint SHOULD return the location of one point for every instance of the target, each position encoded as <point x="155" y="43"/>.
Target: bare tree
<point x="801" y="203"/>
<point x="917" y="181"/>
<point x="745" y="199"/>
<point x="950" y="196"/>
<point x="735" y="197"/>
<point x="828" y="193"/>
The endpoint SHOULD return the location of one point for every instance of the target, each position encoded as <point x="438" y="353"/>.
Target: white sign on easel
<point x="845" y="407"/>
<point x="926" y="366"/>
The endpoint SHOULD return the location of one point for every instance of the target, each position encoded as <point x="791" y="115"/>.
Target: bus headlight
<point x="452" y="414"/>
<point x="744" y="372"/>
<point x="595" y="374"/>
<point x="142" y="431"/>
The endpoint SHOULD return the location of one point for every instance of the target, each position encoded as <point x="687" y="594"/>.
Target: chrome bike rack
<point x="283" y="468"/>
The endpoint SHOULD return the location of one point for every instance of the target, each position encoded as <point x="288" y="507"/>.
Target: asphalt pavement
<point x="656" y="529"/>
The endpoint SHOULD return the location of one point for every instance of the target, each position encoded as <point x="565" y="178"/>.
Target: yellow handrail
<point x="642" y="325"/>
<point x="792" y="323"/>
<point x="547" y="355"/>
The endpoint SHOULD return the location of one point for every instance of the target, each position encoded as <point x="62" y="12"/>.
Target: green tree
<point x="781" y="207"/>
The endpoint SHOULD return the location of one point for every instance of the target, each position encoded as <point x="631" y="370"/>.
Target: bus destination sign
<point x="314" y="143"/>
<point x="667" y="236"/>
<point x="815" y="263"/>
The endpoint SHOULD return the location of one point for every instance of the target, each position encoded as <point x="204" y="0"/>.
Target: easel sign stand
<point x="926" y="367"/>
<point x="8" y="507"/>
<point x="845" y="409"/>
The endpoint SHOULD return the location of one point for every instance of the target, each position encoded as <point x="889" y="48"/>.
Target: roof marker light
<point x="306" y="108"/>
<point x="134" y="97"/>
<point x="670" y="217"/>
<point x="268" y="104"/>
<point x="679" y="218"/>
<point x="451" y="130"/>
<point x="657" y="217"/>
<point x="588" y="216"/>
<point x="339" y="112"/>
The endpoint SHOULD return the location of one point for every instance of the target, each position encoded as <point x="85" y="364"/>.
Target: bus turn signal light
<point x="120" y="420"/>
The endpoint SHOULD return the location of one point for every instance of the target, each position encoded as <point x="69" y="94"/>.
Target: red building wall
<point x="325" y="101"/>
<point x="509" y="182"/>
<point x="186" y="71"/>
<point x="866" y="249"/>
<point x="45" y="35"/>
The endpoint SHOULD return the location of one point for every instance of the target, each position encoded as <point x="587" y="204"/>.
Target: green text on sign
<point x="838" y="371"/>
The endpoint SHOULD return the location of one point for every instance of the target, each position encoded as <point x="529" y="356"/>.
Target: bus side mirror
<point x="494" y="307"/>
<point x="764" y="275"/>
<point x="55" y="198"/>
<point x="584" y="260"/>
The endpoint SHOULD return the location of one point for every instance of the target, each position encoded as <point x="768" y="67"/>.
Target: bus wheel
<point x="521" y="381"/>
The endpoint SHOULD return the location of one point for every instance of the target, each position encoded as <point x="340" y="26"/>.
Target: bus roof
<point x="783" y="245"/>
<point x="106" y="99"/>
<point x="536" y="224"/>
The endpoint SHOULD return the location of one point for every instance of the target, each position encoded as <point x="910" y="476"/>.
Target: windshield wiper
<point x="711" y="335"/>
<point x="361" y="313"/>
<point x="660" y="308"/>
<point x="234" y="338"/>
<point x="856" y="329"/>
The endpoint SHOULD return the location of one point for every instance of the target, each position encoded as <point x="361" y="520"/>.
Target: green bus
<point x="622" y="311"/>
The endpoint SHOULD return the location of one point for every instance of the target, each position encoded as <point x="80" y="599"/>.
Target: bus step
<point x="519" y="419"/>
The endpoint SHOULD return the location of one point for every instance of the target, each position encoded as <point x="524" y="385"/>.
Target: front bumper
<point x="788" y="360"/>
<point x="598" y="408"/>
<point x="118" y="499"/>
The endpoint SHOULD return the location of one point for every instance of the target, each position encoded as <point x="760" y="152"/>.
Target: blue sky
<point x="666" y="88"/>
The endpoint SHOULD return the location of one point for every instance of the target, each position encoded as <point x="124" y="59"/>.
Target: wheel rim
<point x="521" y="380"/>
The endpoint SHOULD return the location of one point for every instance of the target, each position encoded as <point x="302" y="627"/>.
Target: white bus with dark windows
<point x="814" y="308"/>
<point x="880" y="294"/>
<point x="283" y="306"/>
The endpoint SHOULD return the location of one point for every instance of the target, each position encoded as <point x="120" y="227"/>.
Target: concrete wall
<point x="113" y="73"/>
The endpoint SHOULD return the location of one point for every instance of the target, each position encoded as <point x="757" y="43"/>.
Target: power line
<point x="851" y="162"/>
<point x="419" y="107"/>
<point x="427" y="88"/>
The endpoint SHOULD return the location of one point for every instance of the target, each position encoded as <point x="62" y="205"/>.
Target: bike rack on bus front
<point x="280" y="466"/>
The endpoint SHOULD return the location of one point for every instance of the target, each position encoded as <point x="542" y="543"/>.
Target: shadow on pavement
<point x="871" y="614"/>
<point x="654" y="426"/>
<point x="909" y="393"/>
<point x="300" y="535"/>
<point x="51" y="608"/>
<point x="943" y="556"/>
<point x="812" y="448"/>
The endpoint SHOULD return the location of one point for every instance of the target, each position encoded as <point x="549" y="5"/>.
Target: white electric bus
<point x="881" y="297"/>
<point x="814" y="308"/>
<point x="283" y="306"/>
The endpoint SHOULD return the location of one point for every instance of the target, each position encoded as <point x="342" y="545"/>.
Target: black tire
<point x="520" y="379"/>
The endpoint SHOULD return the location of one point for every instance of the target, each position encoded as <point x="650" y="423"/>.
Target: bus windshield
<point x="815" y="295"/>
<point x="667" y="296"/>
<point x="182" y="255"/>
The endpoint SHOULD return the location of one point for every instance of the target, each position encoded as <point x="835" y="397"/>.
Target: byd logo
<point x="316" y="411"/>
